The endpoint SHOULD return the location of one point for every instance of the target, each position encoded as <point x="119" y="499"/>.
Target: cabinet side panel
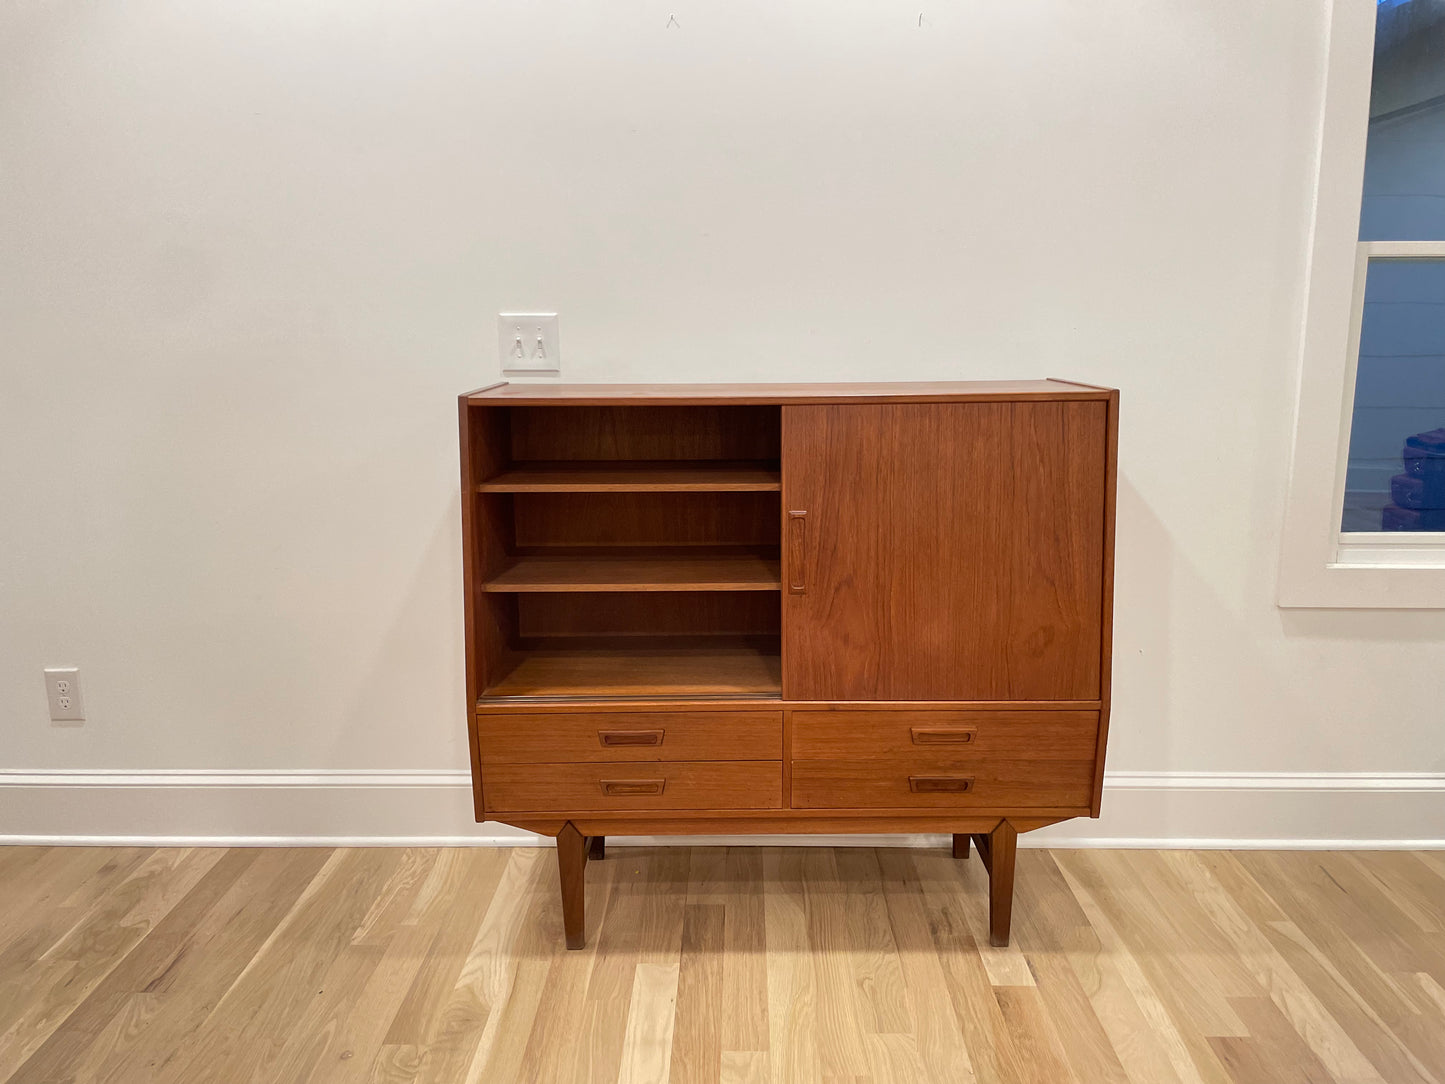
<point x="951" y="551"/>
<point x="1106" y="643"/>
<point x="489" y="622"/>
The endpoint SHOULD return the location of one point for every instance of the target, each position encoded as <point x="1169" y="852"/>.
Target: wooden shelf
<point x="622" y="477"/>
<point x="743" y="572"/>
<point x="622" y="670"/>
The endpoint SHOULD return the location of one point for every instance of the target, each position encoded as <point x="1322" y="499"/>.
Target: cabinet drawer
<point x="630" y="785"/>
<point x="1011" y="735"/>
<point x="932" y="783"/>
<point x="631" y="736"/>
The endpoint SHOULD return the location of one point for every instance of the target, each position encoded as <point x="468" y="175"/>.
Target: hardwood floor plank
<point x="744" y="1067"/>
<point x="840" y="1043"/>
<point x="501" y="1054"/>
<point x="450" y="902"/>
<point x="792" y="987"/>
<point x="878" y="987"/>
<point x="1334" y="928"/>
<point x="61" y="979"/>
<point x="553" y="1050"/>
<point x="249" y="1027"/>
<point x="51" y="898"/>
<point x="1354" y="1014"/>
<point x="935" y="1028"/>
<point x="1193" y="1060"/>
<point x="1049" y="922"/>
<point x="735" y="966"/>
<point x="170" y="958"/>
<point x="697" y="1031"/>
<point x="652" y="1010"/>
<point x="985" y="1032"/>
<point x="745" y="971"/>
<point x="1024" y="1013"/>
<point x="1272" y="973"/>
<point x="1273" y="1052"/>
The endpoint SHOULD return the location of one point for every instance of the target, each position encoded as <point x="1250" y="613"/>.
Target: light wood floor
<point x="710" y="964"/>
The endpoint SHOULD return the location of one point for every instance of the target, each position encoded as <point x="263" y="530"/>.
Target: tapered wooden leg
<point x="597" y="848"/>
<point x="960" y="845"/>
<point x="1002" y="847"/>
<point x="571" y="867"/>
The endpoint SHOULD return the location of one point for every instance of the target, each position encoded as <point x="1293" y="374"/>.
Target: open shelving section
<point x="624" y="551"/>
<point x="624" y="572"/>
<point x="682" y="477"/>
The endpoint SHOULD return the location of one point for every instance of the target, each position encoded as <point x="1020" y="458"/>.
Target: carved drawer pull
<point x="797" y="525"/>
<point x="923" y="735"/>
<point x="617" y="787"/>
<point x="630" y="737"/>
<point x="933" y="784"/>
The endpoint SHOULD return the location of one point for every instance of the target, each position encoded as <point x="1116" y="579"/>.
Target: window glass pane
<point x="1396" y="475"/>
<point x="1405" y="160"/>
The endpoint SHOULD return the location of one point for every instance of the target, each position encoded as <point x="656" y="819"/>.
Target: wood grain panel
<point x="922" y="391"/>
<point x="923" y="783"/>
<point x="626" y="785"/>
<point x="636" y="670"/>
<point x="1007" y="735"/>
<point x="660" y="432"/>
<point x="611" y="476"/>
<point x="645" y="519"/>
<point x="449" y="965"/>
<point x="611" y="572"/>
<point x="649" y="613"/>
<point x="953" y="551"/>
<point x="631" y="736"/>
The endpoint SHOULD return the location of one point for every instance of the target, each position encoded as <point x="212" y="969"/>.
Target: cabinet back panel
<point x="651" y="613"/>
<point x="646" y="519"/>
<point x="646" y="432"/>
<point x="948" y="552"/>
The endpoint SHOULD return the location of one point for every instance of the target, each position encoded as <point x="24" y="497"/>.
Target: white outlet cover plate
<point x="528" y="343"/>
<point x="62" y="690"/>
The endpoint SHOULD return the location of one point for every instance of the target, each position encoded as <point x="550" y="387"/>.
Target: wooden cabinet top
<point x="683" y="394"/>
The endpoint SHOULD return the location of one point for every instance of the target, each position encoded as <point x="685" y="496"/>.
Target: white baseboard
<point x="1281" y="810"/>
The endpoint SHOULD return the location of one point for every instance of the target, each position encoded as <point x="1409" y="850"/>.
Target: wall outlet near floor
<point x="62" y="689"/>
<point x="528" y="343"/>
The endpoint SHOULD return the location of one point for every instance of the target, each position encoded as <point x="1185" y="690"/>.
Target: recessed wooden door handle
<point x="630" y="737"/>
<point x="797" y="527"/>
<point x="935" y="784"/>
<point x="615" y="787"/>
<point x="956" y="735"/>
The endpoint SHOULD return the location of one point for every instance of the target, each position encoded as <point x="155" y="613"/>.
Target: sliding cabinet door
<point x="943" y="551"/>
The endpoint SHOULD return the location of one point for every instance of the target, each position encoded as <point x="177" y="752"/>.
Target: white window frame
<point x="1321" y="566"/>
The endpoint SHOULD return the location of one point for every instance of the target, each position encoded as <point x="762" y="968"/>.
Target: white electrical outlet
<point x="62" y="689"/>
<point x="528" y="344"/>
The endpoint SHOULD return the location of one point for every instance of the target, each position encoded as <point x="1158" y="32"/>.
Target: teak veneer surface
<point x="949" y="551"/>
<point x="634" y="671"/>
<point x="631" y="785"/>
<point x="679" y="572"/>
<point x="731" y="965"/>
<point x="710" y="394"/>
<point x="992" y="783"/>
<point x="631" y="736"/>
<point x="617" y="477"/>
<point x="917" y="578"/>
<point x="908" y="734"/>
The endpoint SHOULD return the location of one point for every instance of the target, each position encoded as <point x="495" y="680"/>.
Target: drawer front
<point x="629" y="785"/>
<point x="1009" y="735"/>
<point x="935" y="783"/>
<point x="603" y="737"/>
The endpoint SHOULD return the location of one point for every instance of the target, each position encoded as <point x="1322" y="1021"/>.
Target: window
<point x="1365" y="520"/>
<point x="1395" y="477"/>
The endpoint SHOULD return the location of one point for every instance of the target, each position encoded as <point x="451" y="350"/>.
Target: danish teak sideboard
<point x="778" y="608"/>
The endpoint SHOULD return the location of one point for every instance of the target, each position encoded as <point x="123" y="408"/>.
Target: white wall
<point x="249" y="253"/>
